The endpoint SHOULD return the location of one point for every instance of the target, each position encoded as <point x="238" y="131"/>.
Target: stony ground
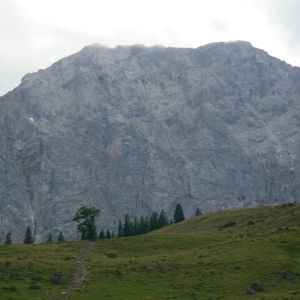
<point x="81" y="273"/>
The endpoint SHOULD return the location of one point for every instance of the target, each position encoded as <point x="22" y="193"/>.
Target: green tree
<point x="83" y="233"/>
<point x="113" y="235"/>
<point x="60" y="237"/>
<point x="178" y="214"/>
<point x="87" y="226"/>
<point x="102" y="235"/>
<point x="8" y="240"/>
<point x="144" y="225"/>
<point x="136" y="227"/>
<point x="108" y="235"/>
<point x="198" y="212"/>
<point x="126" y="226"/>
<point x="162" y="219"/>
<point x="153" y="223"/>
<point x="50" y="239"/>
<point x="120" y="230"/>
<point x="131" y="228"/>
<point x="28" y="238"/>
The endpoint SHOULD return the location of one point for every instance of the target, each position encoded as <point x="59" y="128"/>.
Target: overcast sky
<point x="36" y="33"/>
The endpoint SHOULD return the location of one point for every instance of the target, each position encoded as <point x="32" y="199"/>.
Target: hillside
<point x="133" y="130"/>
<point x="199" y="258"/>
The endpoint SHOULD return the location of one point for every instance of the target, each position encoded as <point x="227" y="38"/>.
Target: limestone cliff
<point x="135" y="130"/>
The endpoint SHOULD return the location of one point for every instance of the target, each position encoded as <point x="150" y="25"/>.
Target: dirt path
<point x="80" y="273"/>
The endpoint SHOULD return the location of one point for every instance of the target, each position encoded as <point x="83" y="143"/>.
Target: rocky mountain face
<point x="132" y="130"/>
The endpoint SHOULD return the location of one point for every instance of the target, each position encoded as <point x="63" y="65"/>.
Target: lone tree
<point x="28" y="238"/>
<point x="60" y="237"/>
<point x="8" y="240"/>
<point x="87" y="227"/>
<point x="178" y="214"/>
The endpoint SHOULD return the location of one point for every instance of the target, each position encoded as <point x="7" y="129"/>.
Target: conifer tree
<point x="162" y="219"/>
<point x="153" y="223"/>
<point x="136" y="227"/>
<point x="8" y="240"/>
<point x="143" y="225"/>
<point x="146" y="224"/>
<point x="198" y="212"/>
<point x="120" y="230"/>
<point x="113" y="235"/>
<point x="101" y="234"/>
<point x="108" y="235"/>
<point x="60" y="237"/>
<point x="50" y="239"/>
<point x="126" y="226"/>
<point x="131" y="230"/>
<point x="28" y="238"/>
<point x="178" y="214"/>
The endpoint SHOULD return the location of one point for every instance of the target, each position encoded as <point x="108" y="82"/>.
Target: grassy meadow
<point x="200" y="258"/>
<point x="25" y="270"/>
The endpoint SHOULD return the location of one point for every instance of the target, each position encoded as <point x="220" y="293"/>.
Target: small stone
<point x="288" y="275"/>
<point x="257" y="286"/>
<point x="57" y="278"/>
<point x="249" y="290"/>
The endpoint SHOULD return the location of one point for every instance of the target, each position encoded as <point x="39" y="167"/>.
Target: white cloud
<point x="219" y="25"/>
<point x="35" y="33"/>
<point x="284" y="18"/>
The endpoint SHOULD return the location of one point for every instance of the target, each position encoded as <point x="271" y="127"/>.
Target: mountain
<point x="132" y="130"/>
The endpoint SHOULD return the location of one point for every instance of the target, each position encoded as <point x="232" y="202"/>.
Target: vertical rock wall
<point x="132" y="130"/>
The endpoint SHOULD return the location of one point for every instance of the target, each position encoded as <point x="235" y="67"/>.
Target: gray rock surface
<point x="136" y="130"/>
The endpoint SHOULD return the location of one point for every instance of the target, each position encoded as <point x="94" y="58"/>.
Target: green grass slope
<point x="25" y="270"/>
<point x="199" y="258"/>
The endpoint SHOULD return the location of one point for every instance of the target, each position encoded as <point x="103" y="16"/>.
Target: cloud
<point x="218" y="25"/>
<point x="284" y="17"/>
<point x="28" y="45"/>
<point x="36" y="33"/>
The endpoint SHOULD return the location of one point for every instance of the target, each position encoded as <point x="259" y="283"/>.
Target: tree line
<point x="85" y="217"/>
<point x="139" y="226"/>
<point x="29" y="239"/>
